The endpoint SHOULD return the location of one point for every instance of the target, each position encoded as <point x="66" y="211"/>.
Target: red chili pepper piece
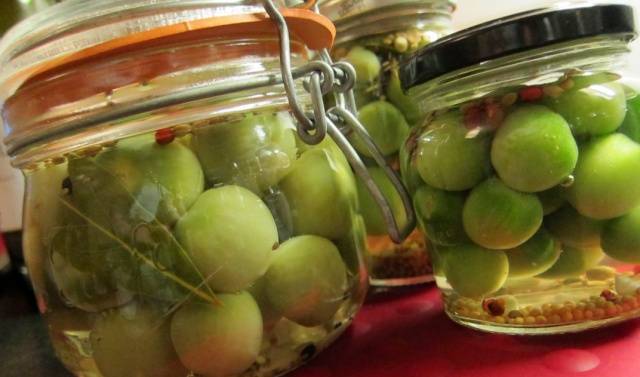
<point x="495" y="114"/>
<point x="473" y="117"/>
<point x="164" y="136"/>
<point x="531" y="93"/>
<point x="608" y="295"/>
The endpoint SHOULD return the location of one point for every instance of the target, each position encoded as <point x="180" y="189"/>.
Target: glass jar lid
<point x="78" y="29"/>
<point x="515" y="34"/>
<point x="72" y="40"/>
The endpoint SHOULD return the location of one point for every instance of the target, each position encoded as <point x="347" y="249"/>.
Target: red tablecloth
<point x="410" y="336"/>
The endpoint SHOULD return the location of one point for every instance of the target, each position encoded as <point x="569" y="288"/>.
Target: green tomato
<point x="218" y="340"/>
<point x="473" y="271"/>
<point x="405" y="103"/>
<point x="533" y="257"/>
<point x="137" y="180"/>
<point x="352" y="246"/>
<point x="573" y="262"/>
<point x="365" y="93"/>
<point x="621" y="237"/>
<point x="321" y="194"/>
<point x="410" y="176"/>
<point x="135" y="341"/>
<point x="439" y="214"/>
<point x="366" y="64"/>
<point x="573" y="229"/>
<point x="446" y="159"/>
<point x="173" y="180"/>
<point x="631" y="124"/>
<point x="585" y="80"/>
<point x="498" y="217"/>
<point x="386" y="126"/>
<point x="596" y="109"/>
<point x="275" y="199"/>
<point x="369" y="208"/>
<point x="229" y="234"/>
<point x="552" y="199"/>
<point x="607" y="183"/>
<point x="255" y="152"/>
<point x="533" y="149"/>
<point x="438" y="255"/>
<point x="329" y="145"/>
<point x="270" y="315"/>
<point x="307" y="280"/>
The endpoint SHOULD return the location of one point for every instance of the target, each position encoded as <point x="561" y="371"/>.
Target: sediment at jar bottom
<point x="146" y="251"/>
<point x="544" y="228"/>
<point x="393" y="264"/>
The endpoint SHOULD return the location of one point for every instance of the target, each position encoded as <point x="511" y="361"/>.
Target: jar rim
<point x="538" y="67"/>
<point x="153" y="88"/>
<point x="71" y="30"/>
<point x="515" y="34"/>
<point x="343" y="10"/>
<point x="366" y="18"/>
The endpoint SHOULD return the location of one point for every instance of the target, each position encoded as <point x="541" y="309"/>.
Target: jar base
<point x="536" y="330"/>
<point x="296" y="346"/>
<point x="551" y="307"/>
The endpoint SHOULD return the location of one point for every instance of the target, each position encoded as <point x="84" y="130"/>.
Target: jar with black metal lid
<point x="525" y="173"/>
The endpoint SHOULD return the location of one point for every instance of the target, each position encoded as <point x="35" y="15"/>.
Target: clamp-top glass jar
<point x="175" y="222"/>
<point x="526" y="171"/>
<point x="374" y="35"/>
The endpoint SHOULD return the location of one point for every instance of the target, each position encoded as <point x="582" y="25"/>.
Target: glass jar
<point x="173" y="237"/>
<point x="525" y="172"/>
<point x="373" y="36"/>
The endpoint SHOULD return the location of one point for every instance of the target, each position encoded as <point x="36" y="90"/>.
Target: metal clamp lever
<point x="311" y="131"/>
<point x="313" y="128"/>
<point x="397" y="232"/>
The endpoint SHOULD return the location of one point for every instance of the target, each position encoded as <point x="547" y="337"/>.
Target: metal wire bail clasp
<point x="312" y="128"/>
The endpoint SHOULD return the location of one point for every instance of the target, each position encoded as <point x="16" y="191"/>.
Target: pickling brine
<point x="156" y="249"/>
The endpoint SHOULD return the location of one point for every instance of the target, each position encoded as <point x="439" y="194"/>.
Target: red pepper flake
<point x="164" y="136"/>
<point x="493" y="306"/>
<point x="473" y="117"/>
<point x="531" y="93"/>
<point x="608" y="295"/>
<point x="495" y="114"/>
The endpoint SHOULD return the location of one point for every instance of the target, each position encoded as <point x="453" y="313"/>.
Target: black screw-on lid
<point x="513" y="34"/>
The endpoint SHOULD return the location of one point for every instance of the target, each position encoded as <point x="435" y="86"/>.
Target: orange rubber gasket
<point x="315" y="30"/>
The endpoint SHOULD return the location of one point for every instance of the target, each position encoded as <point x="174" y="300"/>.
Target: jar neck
<point x="375" y="17"/>
<point x="37" y="117"/>
<point x="535" y="67"/>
